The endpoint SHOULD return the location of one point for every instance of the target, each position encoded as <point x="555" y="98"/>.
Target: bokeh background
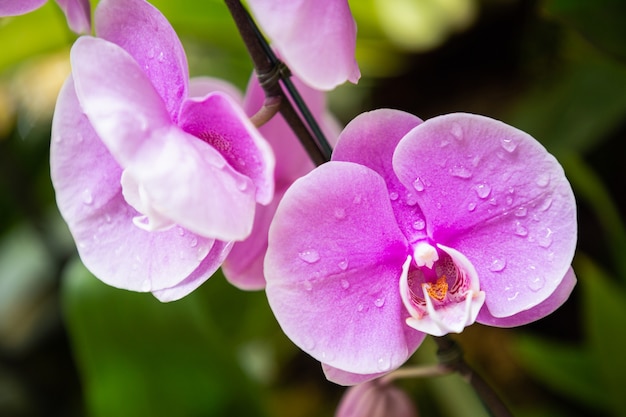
<point x="71" y="346"/>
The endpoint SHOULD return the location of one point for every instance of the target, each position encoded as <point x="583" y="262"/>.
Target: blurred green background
<point x="71" y="346"/>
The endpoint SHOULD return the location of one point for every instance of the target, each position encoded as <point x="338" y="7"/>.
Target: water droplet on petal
<point x="544" y="179"/>
<point x="536" y="283"/>
<point x="146" y="285"/>
<point x="471" y="207"/>
<point x="545" y="204"/>
<point x="411" y="199"/>
<point x="87" y="197"/>
<point x="384" y="364"/>
<point x="151" y="53"/>
<point x="509" y="200"/>
<point x="308" y="343"/>
<point x="345" y="284"/>
<point x="379" y="302"/>
<point x="194" y="242"/>
<point x="545" y="240"/>
<point x="482" y="190"/>
<point x="513" y="297"/>
<point x="359" y="307"/>
<point x="309" y="256"/>
<point x="161" y="57"/>
<point x="393" y="196"/>
<point x="457" y="131"/>
<point x="460" y="172"/>
<point x="307" y="285"/>
<point x="521" y="211"/>
<point x="418" y="184"/>
<point x="520" y="230"/>
<point x="181" y="231"/>
<point x="493" y="201"/>
<point x="444" y="143"/>
<point x="497" y="265"/>
<point x="419" y="224"/>
<point x="508" y="145"/>
<point x="343" y="265"/>
<point x="340" y="213"/>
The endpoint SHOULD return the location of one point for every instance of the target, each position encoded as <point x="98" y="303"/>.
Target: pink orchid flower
<point x="155" y="186"/>
<point x="418" y="228"/>
<point x="78" y="12"/>
<point x="316" y="38"/>
<point x="375" y="399"/>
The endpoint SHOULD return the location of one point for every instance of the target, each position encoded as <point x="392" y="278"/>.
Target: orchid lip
<point x="442" y="293"/>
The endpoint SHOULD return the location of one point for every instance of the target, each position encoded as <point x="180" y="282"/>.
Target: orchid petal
<point x="217" y="120"/>
<point x="201" y="86"/>
<point x="117" y="97"/>
<point x="205" y="270"/>
<point x="493" y="193"/>
<point x="348" y="378"/>
<point x="316" y="38"/>
<point x="546" y="307"/>
<point x="141" y="30"/>
<point x="16" y="8"/>
<point x="78" y="13"/>
<point x="86" y="179"/>
<point x="370" y="140"/>
<point x="244" y="266"/>
<point x="338" y="257"/>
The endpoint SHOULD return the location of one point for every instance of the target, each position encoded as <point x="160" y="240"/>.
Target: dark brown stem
<point x="270" y="71"/>
<point x="451" y="356"/>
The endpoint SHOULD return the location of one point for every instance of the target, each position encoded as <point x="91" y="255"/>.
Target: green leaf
<point x="139" y="357"/>
<point x="604" y="305"/>
<point x="600" y="21"/>
<point x="566" y="369"/>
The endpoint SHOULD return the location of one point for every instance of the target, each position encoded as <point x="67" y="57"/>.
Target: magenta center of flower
<point x="440" y="290"/>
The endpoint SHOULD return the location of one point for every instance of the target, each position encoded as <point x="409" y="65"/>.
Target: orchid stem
<point x="271" y="71"/>
<point x="450" y="356"/>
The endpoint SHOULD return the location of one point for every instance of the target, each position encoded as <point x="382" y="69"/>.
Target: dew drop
<point x="520" y="230"/>
<point x="343" y="265"/>
<point x="242" y="185"/>
<point x="411" y="199"/>
<point x="460" y="172"/>
<point x="107" y="218"/>
<point x="181" y="231"/>
<point x="161" y="57"/>
<point x="151" y="53"/>
<point x="543" y="180"/>
<point x="359" y="307"/>
<point x="419" y="224"/>
<point x="521" y="211"/>
<point x="194" y="242"/>
<point x="508" y="144"/>
<point x="146" y="285"/>
<point x="379" y="302"/>
<point x="309" y="256"/>
<point x="444" y="143"/>
<point x="340" y="213"/>
<point x="497" y="265"/>
<point x="393" y="196"/>
<point x="345" y="284"/>
<point x="482" y="190"/>
<point x="509" y="200"/>
<point x="471" y="207"/>
<point x="545" y="240"/>
<point x="418" y="184"/>
<point x="307" y="285"/>
<point x="87" y="197"/>
<point x="536" y="284"/>
<point x="545" y="204"/>
<point x="493" y="201"/>
<point x="513" y="297"/>
<point x="457" y="131"/>
<point x="384" y="364"/>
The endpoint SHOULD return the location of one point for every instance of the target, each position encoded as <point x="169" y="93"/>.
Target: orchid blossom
<point x="316" y="38"/>
<point x="418" y="228"/>
<point x="78" y="12"/>
<point x="375" y="399"/>
<point x="155" y="186"/>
